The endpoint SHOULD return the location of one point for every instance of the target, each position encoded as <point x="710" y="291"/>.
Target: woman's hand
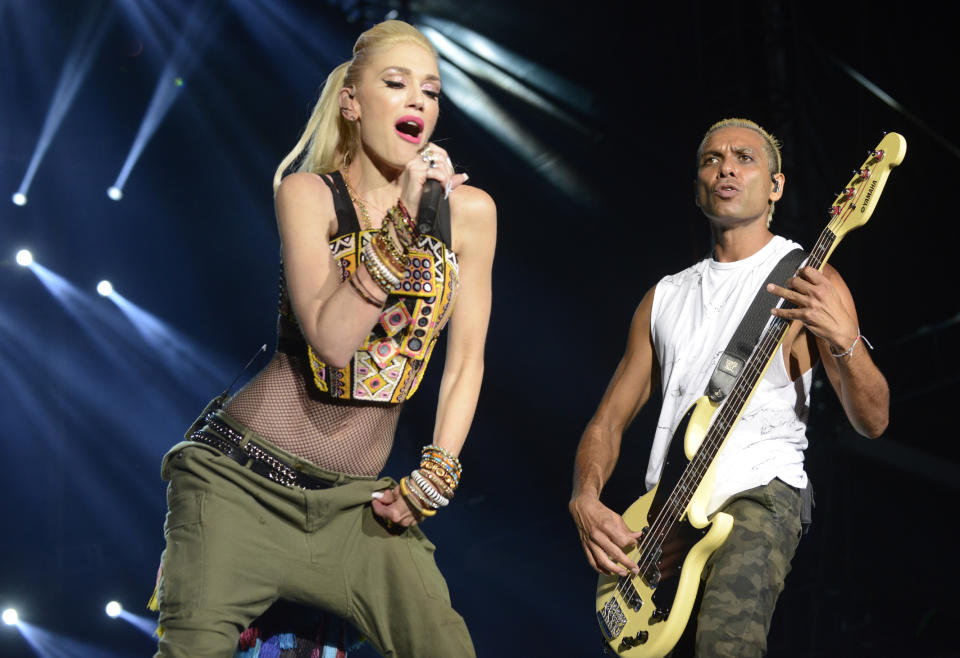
<point x="432" y="162"/>
<point x="390" y="506"/>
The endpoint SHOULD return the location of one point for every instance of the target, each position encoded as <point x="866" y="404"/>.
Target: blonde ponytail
<point x="317" y="150"/>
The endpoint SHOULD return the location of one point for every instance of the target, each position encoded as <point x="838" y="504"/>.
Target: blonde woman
<point x="277" y="494"/>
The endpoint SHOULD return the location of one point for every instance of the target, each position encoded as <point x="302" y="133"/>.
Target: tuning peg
<point x="864" y="173"/>
<point x="834" y="211"/>
<point x="849" y="192"/>
<point x="877" y="155"/>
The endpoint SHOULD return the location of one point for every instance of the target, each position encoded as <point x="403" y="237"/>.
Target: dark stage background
<point x="592" y="178"/>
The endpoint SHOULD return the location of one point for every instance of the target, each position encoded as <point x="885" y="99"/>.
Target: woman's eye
<point x="393" y="84"/>
<point x="429" y="93"/>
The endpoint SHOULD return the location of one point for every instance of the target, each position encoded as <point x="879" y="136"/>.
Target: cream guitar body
<point x="660" y="600"/>
<point x="643" y="616"/>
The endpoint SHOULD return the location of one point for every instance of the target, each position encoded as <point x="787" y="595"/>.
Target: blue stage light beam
<point x="473" y="101"/>
<point x="144" y="624"/>
<point x="482" y="69"/>
<point x="54" y="645"/>
<point x="516" y="66"/>
<point x="85" y="45"/>
<point x="198" y="31"/>
<point x="178" y="356"/>
<point x="288" y="34"/>
<point x="182" y="357"/>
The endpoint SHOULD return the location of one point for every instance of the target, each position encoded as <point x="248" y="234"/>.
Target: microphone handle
<point x="429" y="206"/>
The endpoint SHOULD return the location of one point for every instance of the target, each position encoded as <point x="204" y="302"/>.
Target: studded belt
<point x="249" y="454"/>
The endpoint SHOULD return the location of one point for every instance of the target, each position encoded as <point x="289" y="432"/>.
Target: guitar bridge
<point x="611" y="617"/>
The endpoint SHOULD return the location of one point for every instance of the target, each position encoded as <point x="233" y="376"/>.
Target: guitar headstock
<point x="855" y="204"/>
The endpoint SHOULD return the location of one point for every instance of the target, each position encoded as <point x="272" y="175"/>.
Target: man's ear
<point x="349" y="108"/>
<point x="776" y="186"/>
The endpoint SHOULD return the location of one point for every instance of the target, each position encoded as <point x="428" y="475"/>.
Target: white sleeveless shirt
<point x="694" y="315"/>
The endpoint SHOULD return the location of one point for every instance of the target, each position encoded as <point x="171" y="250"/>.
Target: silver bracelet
<point x="849" y="351"/>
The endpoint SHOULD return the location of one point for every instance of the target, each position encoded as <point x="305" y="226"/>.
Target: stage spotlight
<point x="24" y="257"/>
<point x="115" y="193"/>
<point x="10" y="617"/>
<point x="114" y="609"/>
<point x="19" y="199"/>
<point x="105" y="288"/>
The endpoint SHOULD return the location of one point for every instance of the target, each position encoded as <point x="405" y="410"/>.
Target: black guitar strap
<point x="731" y="362"/>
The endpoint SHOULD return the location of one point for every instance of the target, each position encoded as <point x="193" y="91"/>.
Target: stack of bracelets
<point x="431" y="486"/>
<point x="385" y="255"/>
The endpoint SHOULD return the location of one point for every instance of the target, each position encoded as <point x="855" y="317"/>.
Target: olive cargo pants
<point x="237" y="541"/>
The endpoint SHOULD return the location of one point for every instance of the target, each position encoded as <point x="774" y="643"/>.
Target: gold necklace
<point x="357" y="201"/>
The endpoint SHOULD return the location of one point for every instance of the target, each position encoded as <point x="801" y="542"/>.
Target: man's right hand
<point x="604" y="535"/>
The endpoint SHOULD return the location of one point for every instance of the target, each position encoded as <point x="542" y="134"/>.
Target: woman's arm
<point x="474" y="228"/>
<point x="334" y="318"/>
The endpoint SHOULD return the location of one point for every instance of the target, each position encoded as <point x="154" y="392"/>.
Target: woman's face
<point x="397" y="103"/>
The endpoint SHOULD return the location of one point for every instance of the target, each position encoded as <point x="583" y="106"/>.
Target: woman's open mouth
<point x="409" y="128"/>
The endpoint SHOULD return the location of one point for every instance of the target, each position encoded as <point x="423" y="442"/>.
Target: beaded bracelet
<point x="390" y="254"/>
<point x="447" y="460"/>
<point x="437" y="481"/>
<point x="400" y="226"/>
<point x="443" y="451"/>
<point x="441" y="473"/>
<point x="441" y="467"/>
<point x="849" y="351"/>
<point x="407" y="220"/>
<point x="379" y="272"/>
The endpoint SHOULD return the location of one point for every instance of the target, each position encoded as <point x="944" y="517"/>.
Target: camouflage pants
<point x="744" y="577"/>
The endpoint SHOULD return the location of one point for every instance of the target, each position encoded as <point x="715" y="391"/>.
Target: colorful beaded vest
<point x="389" y="364"/>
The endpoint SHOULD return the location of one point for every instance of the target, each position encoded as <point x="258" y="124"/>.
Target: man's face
<point x="733" y="183"/>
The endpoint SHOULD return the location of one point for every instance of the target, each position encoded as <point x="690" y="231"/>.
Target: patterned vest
<point x="389" y="364"/>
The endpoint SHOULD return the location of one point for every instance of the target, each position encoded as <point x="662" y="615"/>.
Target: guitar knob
<point x="630" y="642"/>
<point x="834" y="211"/>
<point x="877" y="155"/>
<point x="849" y="192"/>
<point x="864" y="173"/>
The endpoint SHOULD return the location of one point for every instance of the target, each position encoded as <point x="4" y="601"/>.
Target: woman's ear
<point x="349" y="108"/>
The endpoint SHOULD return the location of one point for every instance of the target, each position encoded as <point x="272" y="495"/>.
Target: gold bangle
<point x="411" y="499"/>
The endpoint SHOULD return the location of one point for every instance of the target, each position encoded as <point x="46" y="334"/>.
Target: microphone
<point x="429" y="205"/>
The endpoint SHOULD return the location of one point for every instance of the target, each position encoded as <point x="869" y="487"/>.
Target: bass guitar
<point x="643" y="616"/>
